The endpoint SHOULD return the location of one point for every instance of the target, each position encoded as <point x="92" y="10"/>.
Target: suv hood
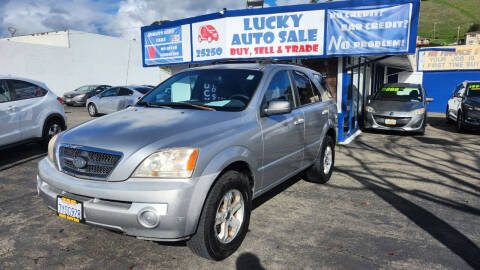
<point x="129" y="130"/>
<point x="394" y="106"/>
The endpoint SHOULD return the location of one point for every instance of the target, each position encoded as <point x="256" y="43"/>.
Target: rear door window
<point x="4" y="93"/>
<point x="25" y="90"/>
<point x="125" y="92"/>
<point x="306" y="92"/>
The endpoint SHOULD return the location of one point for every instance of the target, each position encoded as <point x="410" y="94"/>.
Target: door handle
<point x="299" y="121"/>
<point x="324" y="112"/>
<point x="12" y="108"/>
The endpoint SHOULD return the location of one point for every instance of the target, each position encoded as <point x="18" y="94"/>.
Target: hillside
<point x="448" y="14"/>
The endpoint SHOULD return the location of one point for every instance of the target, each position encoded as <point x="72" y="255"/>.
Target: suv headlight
<point x="369" y="109"/>
<point x="51" y="148"/>
<point x="169" y="163"/>
<point x="417" y="112"/>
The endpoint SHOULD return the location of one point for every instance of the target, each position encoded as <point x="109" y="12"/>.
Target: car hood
<point x="132" y="129"/>
<point x="394" y="106"/>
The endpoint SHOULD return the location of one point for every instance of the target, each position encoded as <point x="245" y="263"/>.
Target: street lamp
<point x="254" y="3"/>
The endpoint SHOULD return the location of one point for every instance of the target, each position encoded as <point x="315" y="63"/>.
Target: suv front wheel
<point x="225" y="217"/>
<point x="321" y="170"/>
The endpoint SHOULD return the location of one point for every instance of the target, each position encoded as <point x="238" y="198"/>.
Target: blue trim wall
<point x="295" y="8"/>
<point x="440" y="86"/>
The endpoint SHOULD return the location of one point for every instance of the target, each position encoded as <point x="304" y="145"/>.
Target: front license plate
<point x="68" y="100"/>
<point x="389" y="121"/>
<point x="69" y="209"/>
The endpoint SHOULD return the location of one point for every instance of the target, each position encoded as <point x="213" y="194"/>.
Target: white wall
<point x="90" y="59"/>
<point x="410" y="77"/>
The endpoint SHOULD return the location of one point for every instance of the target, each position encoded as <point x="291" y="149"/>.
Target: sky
<point x="121" y="18"/>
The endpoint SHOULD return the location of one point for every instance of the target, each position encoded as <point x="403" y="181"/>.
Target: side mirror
<point x="276" y="107"/>
<point x="429" y="99"/>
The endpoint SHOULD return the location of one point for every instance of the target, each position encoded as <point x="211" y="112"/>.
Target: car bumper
<point x="117" y="205"/>
<point x="70" y="101"/>
<point x="408" y="124"/>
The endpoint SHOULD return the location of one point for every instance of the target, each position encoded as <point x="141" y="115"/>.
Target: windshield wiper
<point x="151" y="105"/>
<point x="186" y="104"/>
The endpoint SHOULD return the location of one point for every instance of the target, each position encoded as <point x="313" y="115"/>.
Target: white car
<point x="28" y="111"/>
<point x="115" y="99"/>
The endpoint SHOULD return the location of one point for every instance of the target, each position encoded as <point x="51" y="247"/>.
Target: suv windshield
<point x="397" y="93"/>
<point x="473" y="90"/>
<point x="219" y="89"/>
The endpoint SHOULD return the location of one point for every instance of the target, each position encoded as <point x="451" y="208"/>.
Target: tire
<point x="318" y="173"/>
<point x="208" y="242"/>
<point x="92" y="110"/>
<point x="447" y="116"/>
<point x="460" y="122"/>
<point x="51" y="128"/>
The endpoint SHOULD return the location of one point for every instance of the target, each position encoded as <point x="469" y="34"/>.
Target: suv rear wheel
<point x="225" y="217"/>
<point x="321" y="170"/>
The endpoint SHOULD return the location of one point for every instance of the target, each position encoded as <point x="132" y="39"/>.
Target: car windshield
<point x="473" y="90"/>
<point x="397" y="93"/>
<point x="84" y="88"/>
<point x="218" y="89"/>
<point x="143" y="90"/>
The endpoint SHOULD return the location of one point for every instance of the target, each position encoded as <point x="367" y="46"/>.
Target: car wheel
<point x="92" y="110"/>
<point x="225" y="217"/>
<point x="447" y="116"/>
<point x="51" y="128"/>
<point x="321" y="170"/>
<point x="460" y="122"/>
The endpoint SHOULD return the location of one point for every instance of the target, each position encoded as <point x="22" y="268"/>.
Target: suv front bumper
<point x="117" y="205"/>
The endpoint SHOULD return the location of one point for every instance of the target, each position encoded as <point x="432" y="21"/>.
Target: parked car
<point x="464" y="106"/>
<point x="115" y="99"/>
<point x="398" y="106"/>
<point x="28" y="111"/>
<point x="187" y="166"/>
<point x="80" y="95"/>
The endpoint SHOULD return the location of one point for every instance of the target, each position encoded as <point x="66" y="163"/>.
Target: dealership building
<point x="357" y="45"/>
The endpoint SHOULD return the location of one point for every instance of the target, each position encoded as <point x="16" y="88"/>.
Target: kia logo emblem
<point x="79" y="162"/>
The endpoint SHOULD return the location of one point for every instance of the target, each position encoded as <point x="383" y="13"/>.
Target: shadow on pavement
<point x="248" y="261"/>
<point x="18" y="155"/>
<point x="444" y="168"/>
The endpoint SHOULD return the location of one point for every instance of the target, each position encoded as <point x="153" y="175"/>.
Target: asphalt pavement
<point x="395" y="201"/>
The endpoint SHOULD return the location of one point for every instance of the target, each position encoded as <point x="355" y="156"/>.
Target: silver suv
<point x="186" y="161"/>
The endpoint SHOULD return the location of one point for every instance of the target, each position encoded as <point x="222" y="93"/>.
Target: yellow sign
<point x="461" y="58"/>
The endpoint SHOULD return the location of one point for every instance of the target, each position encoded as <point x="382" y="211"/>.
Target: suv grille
<point x="86" y="162"/>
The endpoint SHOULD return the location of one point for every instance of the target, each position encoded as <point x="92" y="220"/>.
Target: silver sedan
<point x="115" y="99"/>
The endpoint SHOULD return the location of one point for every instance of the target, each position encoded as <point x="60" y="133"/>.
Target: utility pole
<point x="458" y="34"/>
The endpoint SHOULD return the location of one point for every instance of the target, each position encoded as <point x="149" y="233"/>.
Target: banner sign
<point x="167" y="46"/>
<point x="273" y="35"/>
<point x="368" y="30"/>
<point x="301" y="31"/>
<point x="458" y="57"/>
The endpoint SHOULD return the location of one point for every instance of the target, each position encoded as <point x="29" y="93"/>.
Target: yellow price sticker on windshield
<point x="474" y="87"/>
<point x="390" y="89"/>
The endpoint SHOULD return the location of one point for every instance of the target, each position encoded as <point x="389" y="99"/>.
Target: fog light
<point x="148" y="218"/>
